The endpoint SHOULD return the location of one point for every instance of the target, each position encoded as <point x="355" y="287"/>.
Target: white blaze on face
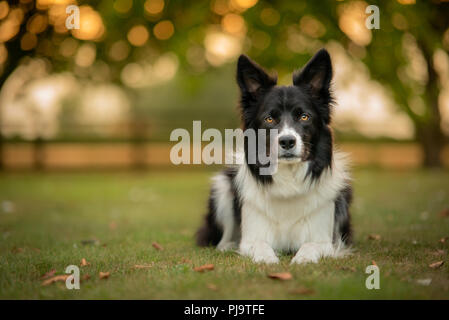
<point x="297" y="150"/>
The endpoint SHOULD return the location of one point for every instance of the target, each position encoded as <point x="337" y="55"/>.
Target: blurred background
<point x="107" y="95"/>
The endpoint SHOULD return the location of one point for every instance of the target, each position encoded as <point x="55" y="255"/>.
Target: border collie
<point x="303" y="207"/>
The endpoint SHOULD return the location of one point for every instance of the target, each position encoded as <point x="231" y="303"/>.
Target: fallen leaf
<point x="48" y="274"/>
<point x="436" y="265"/>
<point x="206" y="267"/>
<point x="54" y="279"/>
<point x="302" y="291"/>
<point x="112" y="225"/>
<point x="85" y="277"/>
<point x="17" y="250"/>
<point x="444" y="213"/>
<point x="443" y="240"/>
<point x="374" y="263"/>
<point x="424" y="282"/>
<point x="184" y="260"/>
<point x="374" y="237"/>
<point x="280" y="276"/>
<point x="84" y="263"/>
<point x="104" y="275"/>
<point x="212" y="287"/>
<point x="157" y="246"/>
<point x="142" y="266"/>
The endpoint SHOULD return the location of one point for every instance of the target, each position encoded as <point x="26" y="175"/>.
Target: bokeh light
<point x="352" y="22"/>
<point x="312" y="27"/>
<point x="138" y="35"/>
<point x="4" y="9"/>
<point x="164" y="30"/>
<point x="91" y="25"/>
<point x="85" y="56"/>
<point x="154" y="7"/>
<point x="233" y="23"/>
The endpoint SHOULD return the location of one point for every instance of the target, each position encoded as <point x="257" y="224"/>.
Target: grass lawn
<point x="45" y="217"/>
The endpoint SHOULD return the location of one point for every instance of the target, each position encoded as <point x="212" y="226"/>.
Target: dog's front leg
<point x="256" y="237"/>
<point x="318" y="240"/>
<point x="312" y="252"/>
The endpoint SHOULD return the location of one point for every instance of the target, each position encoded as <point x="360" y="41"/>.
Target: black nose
<point x="287" y="142"/>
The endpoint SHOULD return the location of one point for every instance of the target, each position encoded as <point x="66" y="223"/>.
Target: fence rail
<point x="43" y="155"/>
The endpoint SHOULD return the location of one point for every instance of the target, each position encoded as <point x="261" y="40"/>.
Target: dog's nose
<point x="287" y="142"/>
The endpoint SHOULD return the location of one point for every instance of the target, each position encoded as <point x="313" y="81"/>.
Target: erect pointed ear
<point x="317" y="74"/>
<point x="251" y="77"/>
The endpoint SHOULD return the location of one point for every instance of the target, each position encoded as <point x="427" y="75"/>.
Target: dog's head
<point x="301" y="112"/>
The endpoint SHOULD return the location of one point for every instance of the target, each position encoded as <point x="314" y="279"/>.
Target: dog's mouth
<point x="289" y="157"/>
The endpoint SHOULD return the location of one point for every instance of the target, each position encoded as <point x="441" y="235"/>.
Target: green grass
<point x="126" y="212"/>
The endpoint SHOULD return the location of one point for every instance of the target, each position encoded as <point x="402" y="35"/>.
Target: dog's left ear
<point x="317" y="74"/>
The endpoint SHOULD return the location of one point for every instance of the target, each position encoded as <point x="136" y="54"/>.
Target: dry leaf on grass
<point x="112" y="225"/>
<point x="142" y="266"/>
<point x="206" y="267"/>
<point x="444" y="213"/>
<point x="48" y="274"/>
<point x="374" y="237"/>
<point x="17" y="250"/>
<point x="212" y="287"/>
<point x="443" y="240"/>
<point x="302" y="291"/>
<point x="84" y="263"/>
<point x="54" y="279"/>
<point x="104" y="275"/>
<point x="436" y="265"/>
<point x="85" y="277"/>
<point x="280" y="276"/>
<point x="157" y="246"/>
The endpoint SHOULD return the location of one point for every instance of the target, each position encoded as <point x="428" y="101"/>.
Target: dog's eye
<point x="304" y="117"/>
<point x="269" y="119"/>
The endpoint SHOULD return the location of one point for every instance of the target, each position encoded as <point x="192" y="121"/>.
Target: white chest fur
<point x="292" y="210"/>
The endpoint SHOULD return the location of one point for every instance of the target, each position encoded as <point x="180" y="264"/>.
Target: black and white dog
<point x="303" y="207"/>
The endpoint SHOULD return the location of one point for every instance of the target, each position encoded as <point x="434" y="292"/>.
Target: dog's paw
<point x="227" y="246"/>
<point x="267" y="259"/>
<point x="259" y="252"/>
<point x="312" y="252"/>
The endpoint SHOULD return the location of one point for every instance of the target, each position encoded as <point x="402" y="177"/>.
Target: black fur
<point x="210" y="233"/>
<point x="342" y="221"/>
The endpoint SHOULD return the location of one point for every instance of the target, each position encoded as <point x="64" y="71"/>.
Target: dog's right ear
<point x="251" y="78"/>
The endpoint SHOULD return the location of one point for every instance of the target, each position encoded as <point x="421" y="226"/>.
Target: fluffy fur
<point x="303" y="207"/>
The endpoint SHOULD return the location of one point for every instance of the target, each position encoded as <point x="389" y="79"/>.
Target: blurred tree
<point x="204" y="34"/>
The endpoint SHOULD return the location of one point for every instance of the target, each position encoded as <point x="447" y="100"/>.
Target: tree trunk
<point x="431" y="140"/>
<point x="429" y="132"/>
